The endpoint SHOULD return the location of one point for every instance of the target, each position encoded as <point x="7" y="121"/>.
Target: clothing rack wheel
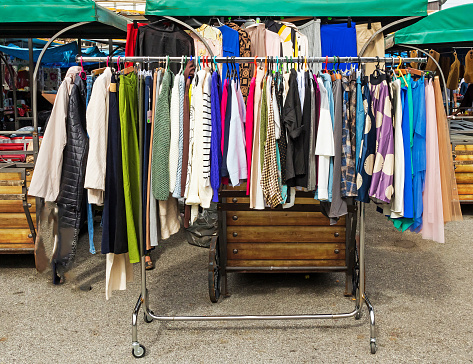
<point x="138" y="351"/>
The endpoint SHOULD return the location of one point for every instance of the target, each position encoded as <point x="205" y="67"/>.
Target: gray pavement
<point x="422" y="293"/>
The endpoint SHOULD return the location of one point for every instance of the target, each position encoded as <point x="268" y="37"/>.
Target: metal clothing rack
<point x="138" y="350"/>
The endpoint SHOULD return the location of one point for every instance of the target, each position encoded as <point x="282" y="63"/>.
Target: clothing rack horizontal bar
<point x="258" y="59"/>
<point x="255" y="317"/>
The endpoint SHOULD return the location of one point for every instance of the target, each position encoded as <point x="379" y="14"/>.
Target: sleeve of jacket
<point x="47" y="173"/>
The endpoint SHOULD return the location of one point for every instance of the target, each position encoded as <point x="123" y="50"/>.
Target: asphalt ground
<point x="422" y="294"/>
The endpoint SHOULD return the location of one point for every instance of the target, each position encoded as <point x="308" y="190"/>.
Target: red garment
<point x="131" y="33"/>
<point x="250" y="105"/>
<point x="223" y="109"/>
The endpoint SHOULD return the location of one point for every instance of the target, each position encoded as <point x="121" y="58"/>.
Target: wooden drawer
<point x="299" y="200"/>
<point x="285" y="234"/>
<point x="286" y="251"/>
<point x="278" y="218"/>
<point x="15" y="236"/>
<point x="252" y="263"/>
<point x="12" y="206"/>
<point x="14" y="176"/>
<point x="15" y="220"/>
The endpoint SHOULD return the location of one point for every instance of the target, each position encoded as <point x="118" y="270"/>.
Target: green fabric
<point x="58" y="11"/>
<point x="264" y="123"/>
<point x="162" y="140"/>
<point x="452" y="25"/>
<point x="128" y="108"/>
<point x="319" y="8"/>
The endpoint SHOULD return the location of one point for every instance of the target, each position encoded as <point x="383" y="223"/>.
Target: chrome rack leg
<point x="362" y="294"/>
<point x="137" y="349"/>
<point x="373" y="345"/>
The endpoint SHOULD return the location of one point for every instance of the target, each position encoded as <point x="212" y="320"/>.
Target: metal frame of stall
<point x="138" y="350"/>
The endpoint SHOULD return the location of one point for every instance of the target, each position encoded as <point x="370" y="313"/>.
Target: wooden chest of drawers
<point x="298" y="239"/>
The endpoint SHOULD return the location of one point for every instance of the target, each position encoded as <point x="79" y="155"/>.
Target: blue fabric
<point x="368" y="150"/>
<point x="338" y="40"/>
<point x="328" y="86"/>
<point x="216" y="135"/>
<point x="90" y="227"/>
<point x="230" y="47"/>
<point x="419" y="151"/>
<point x="408" y="191"/>
<point x="360" y="120"/>
<point x="90" y="215"/>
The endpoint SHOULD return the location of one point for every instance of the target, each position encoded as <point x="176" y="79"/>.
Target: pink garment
<point x="273" y="44"/>
<point x="433" y="224"/>
<point x="250" y="105"/>
<point x="223" y="109"/>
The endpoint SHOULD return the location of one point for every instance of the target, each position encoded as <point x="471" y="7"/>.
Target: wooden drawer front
<point x="286" y="251"/>
<point x="14" y="176"/>
<point x="15" y="236"/>
<point x="285" y="234"/>
<point x="12" y="206"/>
<point x="278" y="218"/>
<point x="231" y="262"/>
<point x="298" y="201"/>
<point x="15" y="220"/>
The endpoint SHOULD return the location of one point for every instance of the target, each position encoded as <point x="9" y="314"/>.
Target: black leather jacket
<point x="74" y="157"/>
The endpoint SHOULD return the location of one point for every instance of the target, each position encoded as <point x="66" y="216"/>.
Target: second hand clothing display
<point x="279" y="128"/>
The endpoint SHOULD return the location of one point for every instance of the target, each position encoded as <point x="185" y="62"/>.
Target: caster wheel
<point x="139" y="351"/>
<point x="373" y="348"/>
<point x="214" y="278"/>
<point x="146" y="319"/>
<point x="358" y="316"/>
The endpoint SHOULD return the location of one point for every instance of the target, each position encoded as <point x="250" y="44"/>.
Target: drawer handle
<point x="235" y="251"/>
<point x="336" y="251"/>
<point x="235" y="234"/>
<point x="336" y="235"/>
<point x="235" y="217"/>
<point x="235" y="200"/>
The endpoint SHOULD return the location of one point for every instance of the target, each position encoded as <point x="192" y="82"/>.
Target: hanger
<point x="128" y="70"/>
<point x="227" y="76"/>
<point x="167" y="63"/>
<point x="82" y="73"/>
<point x="334" y="71"/>
<point x="215" y="64"/>
<point x="326" y="62"/>
<point x="218" y="20"/>
<point x="400" y="73"/>
<point x="118" y="64"/>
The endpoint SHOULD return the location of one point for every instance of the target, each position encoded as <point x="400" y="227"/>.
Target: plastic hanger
<point x="82" y="72"/>
<point x="401" y="74"/>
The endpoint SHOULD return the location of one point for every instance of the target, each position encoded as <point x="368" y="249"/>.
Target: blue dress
<point x="419" y="160"/>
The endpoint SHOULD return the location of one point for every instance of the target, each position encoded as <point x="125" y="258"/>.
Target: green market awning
<point x="317" y="8"/>
<point x="445" y="28"/>
<point x="43" y="18"/>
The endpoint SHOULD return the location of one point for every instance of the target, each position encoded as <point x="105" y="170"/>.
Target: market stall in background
<point x="25" y="110"/>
